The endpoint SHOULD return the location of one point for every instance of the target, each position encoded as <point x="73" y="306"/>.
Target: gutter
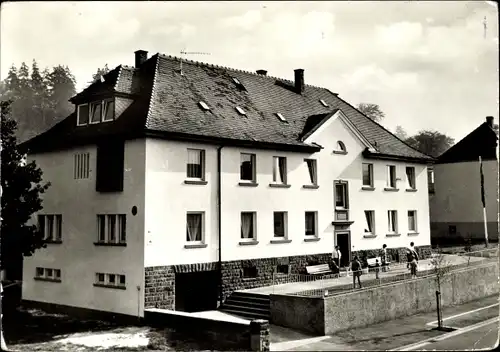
<point x="369" y="155"/>
<point x="219" y="214"/>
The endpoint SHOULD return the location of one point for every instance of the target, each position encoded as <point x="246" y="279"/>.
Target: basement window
<point x="240" y="110"/>
<point x="282" y="269"/>
<point x="281" y="117"/>
<point x="323" y="102"/>
<point x="204" y="105"/>
<point x="250" y="272"/>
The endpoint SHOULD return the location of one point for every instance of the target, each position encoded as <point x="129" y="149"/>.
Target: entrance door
<point x="342" y="239"/>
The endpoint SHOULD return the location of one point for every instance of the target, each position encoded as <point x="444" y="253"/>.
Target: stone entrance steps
<point x="247" y="305"/>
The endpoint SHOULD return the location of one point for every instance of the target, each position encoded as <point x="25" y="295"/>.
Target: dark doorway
<point x="196" y="292"/>
<point x="343" y="241"/>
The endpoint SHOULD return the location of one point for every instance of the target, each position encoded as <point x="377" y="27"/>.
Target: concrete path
<point x="396" y="269"/>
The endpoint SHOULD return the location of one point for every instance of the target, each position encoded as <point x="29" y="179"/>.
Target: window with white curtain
<point x="412" y="221"/>
<point x="195" y="164"/>
<point x="194" y="228"/>
<point x="313" y="172"/>
<point x="279" y="170"/>
<point x="248" y="226"/>
<point x="410" y="177"/>
<point x="393" y="221"/>
<point x="370" y="221"/>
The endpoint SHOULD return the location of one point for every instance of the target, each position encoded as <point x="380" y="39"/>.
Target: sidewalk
<point x="384" y="336"/>
<point x="333" y="283"/>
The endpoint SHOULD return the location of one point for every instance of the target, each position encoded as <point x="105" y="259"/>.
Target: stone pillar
<point x="259" y="335"/>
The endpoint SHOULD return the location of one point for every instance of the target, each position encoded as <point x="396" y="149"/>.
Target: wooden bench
<point x="318" y="269"/>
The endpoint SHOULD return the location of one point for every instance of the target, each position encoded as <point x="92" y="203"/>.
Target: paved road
<point x="484" y="337"/>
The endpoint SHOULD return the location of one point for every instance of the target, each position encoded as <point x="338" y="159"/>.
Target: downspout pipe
<point x="219" y="221"/>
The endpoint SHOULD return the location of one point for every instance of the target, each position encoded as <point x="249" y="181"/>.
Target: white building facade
<point x="213" y="216"/>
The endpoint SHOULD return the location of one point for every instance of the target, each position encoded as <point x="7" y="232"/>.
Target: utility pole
<point x="183" y="52"/>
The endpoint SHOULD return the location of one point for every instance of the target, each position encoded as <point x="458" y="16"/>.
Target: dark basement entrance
<point x="196" y="292"/>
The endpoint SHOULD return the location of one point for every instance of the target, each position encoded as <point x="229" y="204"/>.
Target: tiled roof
<point x="168" y="102"/>
<point x="480" y="142"/>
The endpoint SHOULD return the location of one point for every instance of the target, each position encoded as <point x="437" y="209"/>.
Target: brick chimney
<point x="299" y="81"/>
<point x="140" y="57"/>
<point x="489" y="121"/>
<point x="262" y="72"/>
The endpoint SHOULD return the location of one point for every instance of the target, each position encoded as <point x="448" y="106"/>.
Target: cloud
<point x="247" y="21"/>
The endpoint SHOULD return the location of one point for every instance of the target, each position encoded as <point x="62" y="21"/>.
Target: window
<point x="111" y="229"/>
<point x="48" y="274"/>
<point x="240" y="110"/>
<point x="81" y="167"/>
<point x="367" y="175"/>
<point x="323" y="103"/>
<point x="452" y="229"/>
<point x="279" y="169"/>
<point x="110" y="280"/>
<point x="369" y="221"/>
<point x="109" y="110"/>
<point x="281" y="117"/>
<point x="393" y="221"/>
<point x="110" y="166"/>
<point x="96" y="112"/>
<point x="282" y="269"/>
<point x="312" y="168"/>
<point x="410" y="177"/>
<point x="195" y="164"/>
<point x="311" y="223"/>
<point x="412" y="221"/>
<point x="280" y="228"/>
<point x="247" y="167"/>
<point x="51" y="227"/>
<point x="391" y="176"/>
<point x="248" y="226"/>
<point x="83" y="114"/>
<point x="204" y="105"/>
<point x="341" y="195"/>
<point x="250" y="272"/>
<point x="194" y="228"/>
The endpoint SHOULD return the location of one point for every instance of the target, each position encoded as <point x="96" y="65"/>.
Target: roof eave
<point x="303" y="148"/>
<point x="370" y="155"/>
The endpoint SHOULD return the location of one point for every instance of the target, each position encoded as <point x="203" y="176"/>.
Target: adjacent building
<point x="175" y="184"/>
<point x="456" y="206"/>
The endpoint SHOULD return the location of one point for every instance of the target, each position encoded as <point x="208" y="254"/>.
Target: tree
<point x="21" y="189"/>
<point x="100" y="72"/>
<point x="432" y="143"/>
<point x="372" y="111"/>
<point x="440" y="267"/>
<point x="61" y="89"/>
<point x="401" y="133"/>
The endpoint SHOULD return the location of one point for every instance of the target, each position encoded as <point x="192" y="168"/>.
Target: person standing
<point x="412" y="258"/>
<point x="377" y="269"/>
<point x="356" y="271"/>
<point x="384" y="258"/>
<point x="337" y="256"/>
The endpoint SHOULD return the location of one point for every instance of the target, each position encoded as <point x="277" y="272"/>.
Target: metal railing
<point x="331" y="284"/>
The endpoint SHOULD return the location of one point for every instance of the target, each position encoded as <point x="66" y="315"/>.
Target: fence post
<point x="438" y="302"/>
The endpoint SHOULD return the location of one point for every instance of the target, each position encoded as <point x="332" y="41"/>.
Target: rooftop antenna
<point x="184" y="52"/>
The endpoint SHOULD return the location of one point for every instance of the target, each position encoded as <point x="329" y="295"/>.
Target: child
<point x="377" y="269"/>
<point x="356" y="271"/>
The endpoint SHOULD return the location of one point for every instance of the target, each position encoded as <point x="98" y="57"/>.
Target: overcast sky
<point x="429" y="65"/>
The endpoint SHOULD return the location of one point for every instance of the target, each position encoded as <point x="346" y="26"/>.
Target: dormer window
<point x="281" y="117"/>
<point x="323" y="102"/>
<point x="96" y="112"/>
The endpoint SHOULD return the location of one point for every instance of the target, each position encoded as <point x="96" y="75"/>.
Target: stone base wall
<point x="160" y="280"/>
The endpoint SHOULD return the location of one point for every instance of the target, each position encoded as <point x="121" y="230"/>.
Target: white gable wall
<point x="77" y="257"/>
